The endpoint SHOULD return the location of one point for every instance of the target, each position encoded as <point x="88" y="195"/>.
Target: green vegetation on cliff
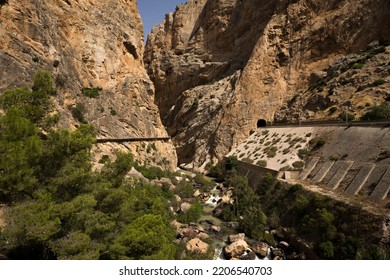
<point x="57" y="206"/>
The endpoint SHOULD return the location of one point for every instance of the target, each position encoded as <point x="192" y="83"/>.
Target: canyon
<point x="220" y="66"/>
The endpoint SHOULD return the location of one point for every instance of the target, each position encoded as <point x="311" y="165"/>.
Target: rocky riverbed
<point x="210" y="234"/>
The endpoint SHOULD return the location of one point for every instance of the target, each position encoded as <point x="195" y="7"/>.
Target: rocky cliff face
<point x="88" y="46"/>
<point x="221" y="65"/>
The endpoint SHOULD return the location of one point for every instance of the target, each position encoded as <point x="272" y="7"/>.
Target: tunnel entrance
<point x="261" y="123"/>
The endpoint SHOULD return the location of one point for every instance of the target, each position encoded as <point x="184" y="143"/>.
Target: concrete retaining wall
<point x="254" y="173"/>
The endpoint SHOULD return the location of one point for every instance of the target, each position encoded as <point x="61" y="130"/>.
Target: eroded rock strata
<point x="221" y="65"/>
<point x="87" y="44"/>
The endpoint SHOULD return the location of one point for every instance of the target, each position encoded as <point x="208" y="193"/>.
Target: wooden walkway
<point x="132" y="139"/>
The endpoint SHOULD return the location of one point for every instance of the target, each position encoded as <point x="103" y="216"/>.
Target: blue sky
<point x="153" y="11"/>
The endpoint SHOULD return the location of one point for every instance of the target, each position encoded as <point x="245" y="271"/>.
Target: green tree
<point x="253" y="222"/>
<point x="148" y="237"/>
<point x="191" y="215"/>
<point x="20" y="147"/>
<point x="116" y="171"/>
<point x="266" y="184"/>
<point x="33" y="105"/>
<point x="58" y="207"/>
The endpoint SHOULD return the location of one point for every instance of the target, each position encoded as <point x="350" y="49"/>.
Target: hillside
<point x="94" y="51"/>
<point x="220" y="66"/>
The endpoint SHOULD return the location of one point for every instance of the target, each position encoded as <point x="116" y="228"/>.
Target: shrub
<point x="78" y="112"/>
<point x="151" y="147"/>
<point x="326" y="249"/>
<point x="231" y="163"/>
<point x="247" y="160"/>
<point x="318" y="143"/>
<point x="298" y="164"/>
<point x="332" y="110"/>
<point x="302" y="153"/>
<point x="104" y="159"/>
<point x="267" y="182"/>
<point x="192" y="215"/>
<point x="60" y="80"/>
<point x="44" y="83"/>
<point x="201" y="180"/>
<point x="262" y="163"/>
<point x="381" y="112"/>
<point x="384" y="155"/>
<point x="345" y="116"/>
<point x="377" y="83"/>
<point x="91" y="92"/>
<point x="112" y="111"/>
<point x="184" y="190"/>
<point x="35" y="104"/>
<point x="271" y="151"/>
<point x="358" y="66"/>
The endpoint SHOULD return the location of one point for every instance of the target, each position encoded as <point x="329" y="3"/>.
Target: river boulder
<point x="235" y="249"/>
<point x="236" y="237"/>
<point x="261" y="249"/>
<point x="197" y="245"/>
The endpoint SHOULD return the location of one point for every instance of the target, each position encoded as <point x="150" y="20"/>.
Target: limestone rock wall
<point x="261" y="52"/>
<point x="85" y="44"/>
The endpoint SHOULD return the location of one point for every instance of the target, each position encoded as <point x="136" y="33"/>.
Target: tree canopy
<point x="58" y="207"/>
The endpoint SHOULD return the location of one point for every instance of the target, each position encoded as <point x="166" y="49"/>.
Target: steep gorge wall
<point x="233" y="62"/>
<point x="86" y="44"/>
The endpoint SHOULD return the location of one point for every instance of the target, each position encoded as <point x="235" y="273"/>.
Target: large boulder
<point x="236" y="237"/>
<point x="136" y="174"/>
<point x="197" y="245"/>
<point x="248" y="255"/>
<point x="261" y="249"/>
<point x="215" y="228"/>
<point x="197" y="193"/>
<point x="277" y="253"/>
<point x="235" y="249"/>
<point x="185" y="206"/>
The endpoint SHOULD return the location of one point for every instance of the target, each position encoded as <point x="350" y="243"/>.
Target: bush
<point x="153" y="172"/>
<point x="91" y="92"/>
<point x="267" y="182"/>
<point x="44" y="83"/>
<point x="247" y="160"/>
<point x="34" y="105"/>
<point x="231" y="163"/>
<point x="298" y="165"/>
<point x="262" y="163"/>
<point x="192" y="215"/>
<point x="78" y="112"/>
<point x="184" y="189"/>
<point x="60" y="80"/>
<point x="384" y="155"/>
<point x="206" y="185"/>
<point x="113" y="112"/>
<point x="326" y="249"/>
<point x="358" y="66"/>
<point x="151" y="147"/>
<point x="345" y="116"/>
<point x="332" y="110"/>
<point x="318" y="143"/>
<point x="377" y="83"/>
<point x="271" y="151"/>
<point x="302" y="153"/>
<point x="381" y="112"/>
